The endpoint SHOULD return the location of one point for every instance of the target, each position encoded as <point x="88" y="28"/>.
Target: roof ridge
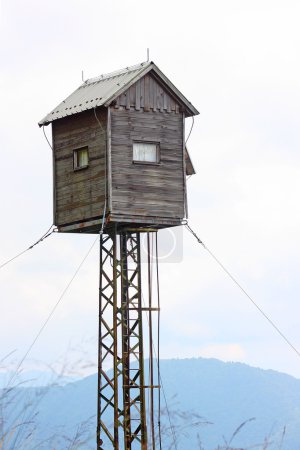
<point x="115" y="73"/>
<point x="102" y="91"/>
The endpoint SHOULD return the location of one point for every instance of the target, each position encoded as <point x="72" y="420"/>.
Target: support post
<point x="108" y="354"/>
<point x="132" y="339"/>
<point x="122" y="417"/>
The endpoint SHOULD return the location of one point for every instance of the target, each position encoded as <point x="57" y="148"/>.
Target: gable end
<point x="149" y="95"/>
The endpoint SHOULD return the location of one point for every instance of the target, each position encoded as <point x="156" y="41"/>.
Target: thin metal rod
<point x="158" y="342"/>
<point x="125" y="342"/>
<point x="115" y="340"/>
<point x="99" y="441"/>
<point x="142" y="375"/>
<point x="151" y="381"/>
<point x="134" y="408"/>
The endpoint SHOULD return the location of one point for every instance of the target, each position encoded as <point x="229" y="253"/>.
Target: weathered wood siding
<point x="146" y="189"/>
<point x="79" y="195"/>
<point x="147" y="94"/>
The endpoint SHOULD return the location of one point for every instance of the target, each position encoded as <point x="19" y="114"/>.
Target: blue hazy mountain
<point x="207" y="401"/>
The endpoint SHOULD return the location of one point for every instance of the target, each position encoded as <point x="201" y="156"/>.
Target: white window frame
<point x="139" y="161"/>
<point x="76" y="165"/>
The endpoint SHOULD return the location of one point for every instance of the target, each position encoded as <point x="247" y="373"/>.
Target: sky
<point x="238" y="63"/>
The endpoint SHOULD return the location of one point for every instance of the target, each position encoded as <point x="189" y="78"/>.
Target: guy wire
<point x="50" y="315"/>
<point x="44" y="236"/>
<point x="192" y="126"/>
<point x="47" y="138"/>
<point x="276" y="328"/>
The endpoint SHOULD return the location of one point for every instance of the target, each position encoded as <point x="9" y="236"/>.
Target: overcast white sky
<point x="238" y="62"/>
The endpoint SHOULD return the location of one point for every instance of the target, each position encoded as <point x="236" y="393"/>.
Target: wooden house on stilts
<point x="119" y="150"/>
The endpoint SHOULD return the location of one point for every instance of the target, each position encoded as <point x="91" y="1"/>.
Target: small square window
<point x="81" y="158"/>
<point x="146" y="152"/>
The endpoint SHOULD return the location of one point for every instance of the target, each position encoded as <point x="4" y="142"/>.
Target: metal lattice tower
<point x="122" y="421"/>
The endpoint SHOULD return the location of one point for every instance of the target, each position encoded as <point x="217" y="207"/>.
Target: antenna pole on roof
<point x="82" y="76"/>
<point x="148" y="54"/>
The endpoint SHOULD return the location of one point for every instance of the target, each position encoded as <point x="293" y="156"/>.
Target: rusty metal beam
<point x="108" y="355"/>
<point x="122" y="416"/>
<point x="135" y="426"/>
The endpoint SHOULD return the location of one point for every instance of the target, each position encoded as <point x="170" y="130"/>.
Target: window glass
<point x="145" y="152"/>
<point x="81" y="158"/>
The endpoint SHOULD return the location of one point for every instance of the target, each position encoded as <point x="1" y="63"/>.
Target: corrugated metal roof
<point x="104" y="89"/>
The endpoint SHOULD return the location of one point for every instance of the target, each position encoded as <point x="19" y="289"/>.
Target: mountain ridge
<point x="217" y="396"/>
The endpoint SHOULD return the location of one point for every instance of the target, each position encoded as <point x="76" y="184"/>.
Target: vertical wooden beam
<point x="151" y="103"/>
<point x="127" y="94"/>
<point x="161" y="99"/>
<point x="142" y="81"/>
<point x="138" y="95"/>
<point x="147" y="93"/>
<point x="154" y="94"/>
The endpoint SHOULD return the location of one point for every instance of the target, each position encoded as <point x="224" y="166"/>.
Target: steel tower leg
<point x="108" y="352"/>
<point x="132" y="343"/>
<point x="122" y="422"/>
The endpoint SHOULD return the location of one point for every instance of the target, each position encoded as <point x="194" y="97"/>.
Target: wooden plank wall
<point x="79" y="195"/>
<point x="147" y="94"/>
<point x="140" y="189"/>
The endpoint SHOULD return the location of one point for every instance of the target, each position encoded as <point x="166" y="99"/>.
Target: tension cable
<point x="45" y="235"/>
<point x="276" y="328"/>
